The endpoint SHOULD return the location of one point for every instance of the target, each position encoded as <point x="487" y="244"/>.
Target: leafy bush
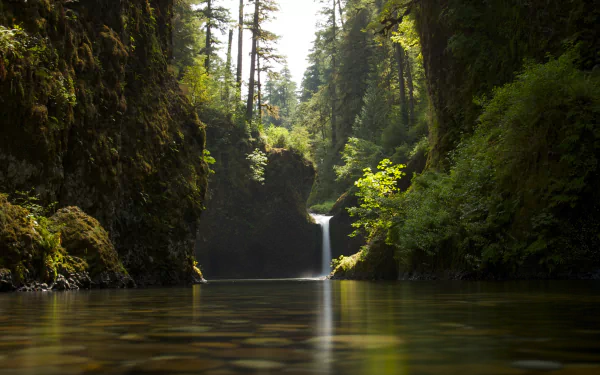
<point x="357" y="155"/>
<point x="278" y="136"/>
<point x="297" y="139"/>
<point x="522" y="190"/>
<point x="377" y="194"/>
<point x="202" y="90"/>
<point x="323" y="208"/>
<point x="258" y="161"/>
<point x="300" y="141"/>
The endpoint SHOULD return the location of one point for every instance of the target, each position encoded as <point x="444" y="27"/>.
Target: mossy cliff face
<point x="92" y="118"/>
<point x="470" y="47"/>
<point x="251" y="230"/>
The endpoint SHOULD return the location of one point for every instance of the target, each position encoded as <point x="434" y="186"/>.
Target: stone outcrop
<point x="254" y="230"/>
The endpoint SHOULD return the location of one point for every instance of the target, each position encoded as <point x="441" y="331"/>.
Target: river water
<point x="307" y="327"/>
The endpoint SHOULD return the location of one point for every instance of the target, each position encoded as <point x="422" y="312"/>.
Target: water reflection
<point x="324" y="358"/>
<point x="306" y="327"/>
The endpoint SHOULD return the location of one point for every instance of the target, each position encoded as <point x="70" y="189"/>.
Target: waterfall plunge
<point x="323" y="221"/>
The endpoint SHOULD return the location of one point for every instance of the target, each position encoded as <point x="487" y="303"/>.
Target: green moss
<point x="323" y="208"/>
<point x="373" y="262"/>
<point x="83" y="237"/>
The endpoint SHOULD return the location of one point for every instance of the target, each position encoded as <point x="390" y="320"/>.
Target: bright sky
<point x="295" y="23"/>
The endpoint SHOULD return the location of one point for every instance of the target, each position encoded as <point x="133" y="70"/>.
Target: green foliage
<point x="258" y="161"/>
<point x="377" y="193"/>
<point x="188" y="36"/>
<point x="280" y="97"/>
<point x="353" y="102"/>
<point x="357" y="155"/>
<point x="322" y="208"/>
<point x="297" y="139"/>
<point x="201" y="88"/>
<point x="519" y="188"/>
<point x="277" y="136"/>
<point x="11" y="41"/>
<point x="209" y="160"/>
<point x="31" y="201"/>
<point x="50" y="241"/>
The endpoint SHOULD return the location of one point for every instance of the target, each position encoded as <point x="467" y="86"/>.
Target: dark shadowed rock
<point x="340" y="227"/>
<point x="251" y="230"/>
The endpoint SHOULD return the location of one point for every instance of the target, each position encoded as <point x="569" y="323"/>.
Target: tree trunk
<point x="332" y="85"/>
<point x="258" y="85"/>
<point x="228" y="71"/>
<point x="238" y="78"/>
<point x="411" y="97"/>
<point x="399" y="53"/>
<point x="250" y="104"/>
<point x="208" y="35"/>
<point x="340" y="9"/>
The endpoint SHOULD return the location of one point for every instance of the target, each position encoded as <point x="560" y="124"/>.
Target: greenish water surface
<point x="307" y="327"/>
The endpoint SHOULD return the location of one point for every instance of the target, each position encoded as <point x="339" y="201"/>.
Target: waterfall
<point x="323" y="221"/>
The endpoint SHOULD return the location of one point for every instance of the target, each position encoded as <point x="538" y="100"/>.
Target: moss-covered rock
<point x="374" y="262"/>
<point x="69" y="250"/>
<point x="83" y="237"/>
<point x="340" y="227"/>
<point x="19" y="242"/>
<point x="92" y="118"/>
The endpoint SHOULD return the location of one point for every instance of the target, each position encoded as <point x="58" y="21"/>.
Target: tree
<point x="281" y="99"/>
<point x="216" y="17"/>
<point x="262" y="50"/>
<point x="187" y="36"/>
<point x="238" y="78"/>
<point x="228" y="67"/>
<point x="250" y="102"/>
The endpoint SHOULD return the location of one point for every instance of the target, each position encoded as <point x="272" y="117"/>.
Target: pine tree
<point x="216" y="17"/>
<point x="238" y="78"/>
<point x="263" y="51"/>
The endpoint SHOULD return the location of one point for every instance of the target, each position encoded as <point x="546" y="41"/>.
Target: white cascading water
<point x="323" y="221"/>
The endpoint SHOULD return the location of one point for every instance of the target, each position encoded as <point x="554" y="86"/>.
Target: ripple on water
<point x="178" y="364"/>
<point x="268" y="341"/>
<point x="258" y="364"/>
<point x="357" y="341"/>
<point x="42" y="360"/>
<point x="40" y="350"/>
<point x="278" y="354"/>
<point x="537" y="365"/>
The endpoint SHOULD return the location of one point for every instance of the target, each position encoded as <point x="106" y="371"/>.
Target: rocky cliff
<point x="92" y="118"/>
<point x="254" y="230"/>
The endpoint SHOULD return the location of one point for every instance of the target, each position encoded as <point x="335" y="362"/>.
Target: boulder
<point x="83" y="237"/>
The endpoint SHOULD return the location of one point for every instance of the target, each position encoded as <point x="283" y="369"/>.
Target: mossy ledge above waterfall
<point x="91" y="118"/>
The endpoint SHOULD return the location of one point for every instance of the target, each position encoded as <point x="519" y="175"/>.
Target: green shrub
<point x="322" y="208"/>
<point x="277" y="136"/>
<point x="522" y="190"/>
